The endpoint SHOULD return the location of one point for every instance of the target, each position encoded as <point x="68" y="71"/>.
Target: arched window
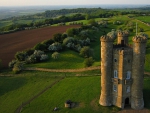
<point x="128" y="75"/>
<point x="115" y="74"/>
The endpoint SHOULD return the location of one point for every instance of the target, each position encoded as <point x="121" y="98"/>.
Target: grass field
<point x="81" y="88"/>
<point x="144" y="18"/>
<point x="68" y="60"/>
<point x="20" y="88"/>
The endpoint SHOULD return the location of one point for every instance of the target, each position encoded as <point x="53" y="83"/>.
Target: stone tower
<point x="139" y="45"/>
<point x="122" y="70"/>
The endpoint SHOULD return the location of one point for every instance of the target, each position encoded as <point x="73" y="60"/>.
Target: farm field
<point x="18" y="41"/>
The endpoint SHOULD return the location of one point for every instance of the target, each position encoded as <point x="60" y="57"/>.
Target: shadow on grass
<point x="8" y="84"/>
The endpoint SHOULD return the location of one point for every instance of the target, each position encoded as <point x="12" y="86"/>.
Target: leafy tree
<point x="92" y="22"/>
<point x="88" y="62"/>
<point x="40" y="46"/>
<point x="20" y="56"/>
<point x="86" y="52"/>
<point x="72" y="31"/>
<point x="57" y="37"/>
<point x="12" y="63"/>
<point x="55" y="47"/>
<point x="18" y="67"/>
<point x="55" y="55"/>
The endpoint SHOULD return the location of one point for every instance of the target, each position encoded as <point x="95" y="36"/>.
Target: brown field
<point x="18" y="41"/>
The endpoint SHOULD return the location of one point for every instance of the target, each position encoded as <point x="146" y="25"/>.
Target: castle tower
<point x="122" y="71"/>
<point x="123" y="36"/>
<point x="121" y="77"/>
<point x="106" y="71"/>
<point x="139" y="47"/>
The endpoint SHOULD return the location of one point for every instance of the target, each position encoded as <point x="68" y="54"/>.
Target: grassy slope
<point x="20" y="88"/>
<point x="75" y="91"/>
<point x="82" y="90"/>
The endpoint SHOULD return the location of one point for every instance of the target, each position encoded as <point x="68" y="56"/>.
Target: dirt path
<point x="64" y="70"/>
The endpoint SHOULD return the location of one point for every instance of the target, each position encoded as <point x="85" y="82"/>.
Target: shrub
<point x="44" y="57"/>
<point x="55" y="55"/>
<point x="55" y="47"/>
<point x="68" y="40"/>
<point x="18" y="67"/>
<point x="57" y="37"/>
<point x="72" y="31"/>
<point x="12" y="63"/>
<point x="40" y="46"/>
<point x="86" y="51"/>
<point x="20" y="56"/>
<point x="88" y="62"/>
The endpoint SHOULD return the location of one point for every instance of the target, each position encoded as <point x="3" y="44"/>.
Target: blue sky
<point x="68" y="2"/>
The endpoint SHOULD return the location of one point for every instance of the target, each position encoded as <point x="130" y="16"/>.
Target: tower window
<point x="115" y="74"/>
<point x="128" y="89"/>
<point x="115" y="60"/>
<point x="115" y="88"/>
<point x="129" y="61"/>
<point x="128" y="75"/>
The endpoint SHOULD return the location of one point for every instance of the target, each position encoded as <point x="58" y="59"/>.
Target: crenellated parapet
<point x="123" y="34"/>
<point x="139" y="39"/>
<point x="106" y="38"/>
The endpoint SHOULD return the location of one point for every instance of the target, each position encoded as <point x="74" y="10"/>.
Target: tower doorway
<point x="127" y="101"/>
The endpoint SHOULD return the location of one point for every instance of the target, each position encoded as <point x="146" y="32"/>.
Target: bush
<point x="20" y="56"/>
<point x="88" y="62"/>
<point x="40" y="46"/>
<point x="86" y="52"/>
<point x="57" y="37"/>
<point x="18" y="67"/>
<point x="12" y="63"/>
<point x="68" y="40"/>
<point x="55" y="47"/>
<point x="55" y="55"/>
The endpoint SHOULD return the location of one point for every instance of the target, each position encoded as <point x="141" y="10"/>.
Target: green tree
<point x="86" y="52"/>
<point x="20" y="56"/>
<point x="88" y="62"/>
<point x="55" y="55"/>
<point x="57" y="37"/>
<point x="92" y="22"/>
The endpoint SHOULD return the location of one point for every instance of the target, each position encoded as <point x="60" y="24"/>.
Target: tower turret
<point x="139" y="45"/>
<point x="123" y="35"/>
<point x="106" y="70"/>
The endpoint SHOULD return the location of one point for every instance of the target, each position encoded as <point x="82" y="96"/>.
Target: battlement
<point x="139" y="39"/>
<point x="122" y="50"/>
<point x="123" y="34"/>
<point x="105" y="38"/>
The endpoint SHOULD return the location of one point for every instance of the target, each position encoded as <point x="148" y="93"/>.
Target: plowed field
<point x="18" y="41"/>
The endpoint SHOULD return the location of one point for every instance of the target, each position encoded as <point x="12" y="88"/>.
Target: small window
<point x="128" y="89"/>
<point x="129" y="61"/>
<point x="115" y="60"/>
<point x="128" y="75"/>
<point x="115" y="74"/>
<point x="115" y="88"/>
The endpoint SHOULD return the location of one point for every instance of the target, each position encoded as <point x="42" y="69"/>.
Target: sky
<point x="68" y="2"/>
